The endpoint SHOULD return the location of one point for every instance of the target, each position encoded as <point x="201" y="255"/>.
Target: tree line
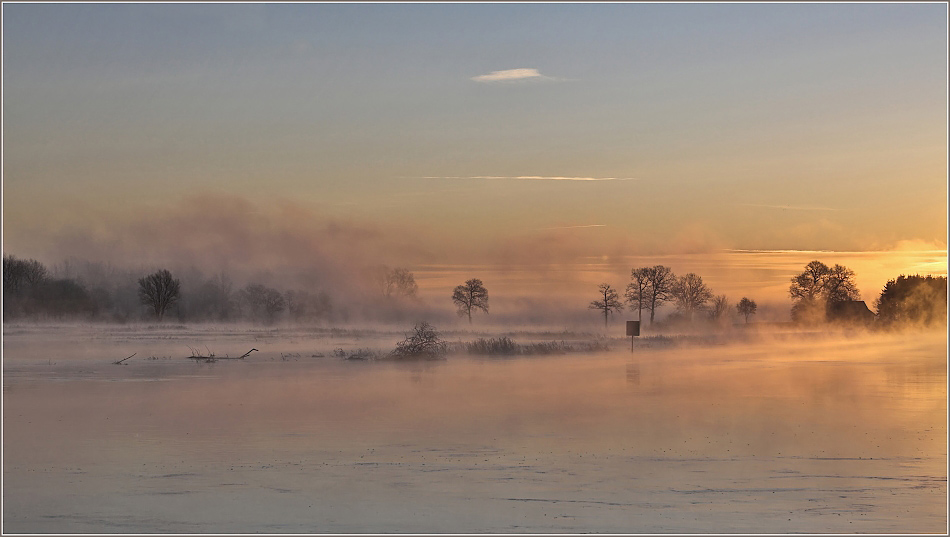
<point x="100" y="292"/>
<point x="819" y="294"/>
<point x="651" y="287"/>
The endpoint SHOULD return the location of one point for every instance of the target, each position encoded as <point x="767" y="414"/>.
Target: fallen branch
<point x="124" y="359"/>
<point x="195" y="355"/>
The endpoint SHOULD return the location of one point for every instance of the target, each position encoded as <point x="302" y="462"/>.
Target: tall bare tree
<point x="691" y="294"/>
<point x="660" y="290"/>
<point x="471" y="296"/>
<point x="160" y="291"/>
<point x="719" y="309"/>
<point x="746" y="308"/>
<point x="638" y="290"/>
<point x="610" y="301"/>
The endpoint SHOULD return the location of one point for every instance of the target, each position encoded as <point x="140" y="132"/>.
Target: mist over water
<point x="767" y="431"/>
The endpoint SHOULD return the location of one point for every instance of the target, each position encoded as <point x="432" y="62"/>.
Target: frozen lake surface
<point x="777" y="433"/>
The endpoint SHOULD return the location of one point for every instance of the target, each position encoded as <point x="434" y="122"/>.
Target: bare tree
<point x="691" y="294"/>
<point x="402" y="283"/>
<point x="609" y="303"/>
<point x="746" y="308"/>
<point x="265" y="303"/>
<point x="14" y="274"/>
<point x="306" y="306"/>
<point x="423" y="342"/>
<point x="638" y="290"/>
<point x="34" y="272"/>
<point x="160" y="291"/>
<point x="393" y="282"/>
<point x="20" y="273"/>
<point x="470" y="296"/>
<point x="660" y="289"/>
<point x="818" y="288"/>
<point x="719" y="309"/>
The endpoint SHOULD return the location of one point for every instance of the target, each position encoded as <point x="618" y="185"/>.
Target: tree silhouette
<point x="691" y="294"/>
<point x="265" y="303"/>
<point x="470" y="296"/>
<point x="160" y="291"/>
<point x="660" y="289"/>
<point x="423" y="342"/>
<point x="819" y="288"/>
<point x="719" y="309"/>
<point x="395" y="282"/>
<point x="21" y="273"/>
<point x="746" y="307"/>
<point x="638" y="290"/>
<point x="913" y="299"/>
<point x="609" y="303"/>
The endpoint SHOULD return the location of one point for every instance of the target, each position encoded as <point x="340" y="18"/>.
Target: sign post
<point x="633" y="330"/>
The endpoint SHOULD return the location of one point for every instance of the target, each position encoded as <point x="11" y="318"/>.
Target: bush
<point x="423" y="342"/>
<point x="502" y="345"/>
<point x="358" y="354"/>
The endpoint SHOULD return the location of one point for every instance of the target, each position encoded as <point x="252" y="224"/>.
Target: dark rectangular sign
<point x="633" y="328"/>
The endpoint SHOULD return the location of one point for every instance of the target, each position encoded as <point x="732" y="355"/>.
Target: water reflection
<point x="633" y="373"/>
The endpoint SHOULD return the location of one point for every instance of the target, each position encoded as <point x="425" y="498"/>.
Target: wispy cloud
<point x="531" y="177"/>
<point x="510" y="75"/>
<point x="789" y="207"/>
<point x="572" y="227"/>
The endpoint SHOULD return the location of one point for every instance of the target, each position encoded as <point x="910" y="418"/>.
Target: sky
<point x="500" y="135"/>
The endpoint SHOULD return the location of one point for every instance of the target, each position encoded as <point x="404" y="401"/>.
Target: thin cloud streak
<point x="531" y="178"/>
<point x="572" y="227"/>
<point x="789" y="207"/>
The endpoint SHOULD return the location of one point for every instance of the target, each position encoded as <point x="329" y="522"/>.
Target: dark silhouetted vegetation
<point x="261" y="302"/>
<point x="609" y="301"/>
<point x="469" y="297"/>
<point x="29" y="291"/>
<point x="159" y="291"/>
<point x="422" y="342"/>
<point x="719" y="309"/>
<point x="913" y="300"/>
<point x="638" y="290"/>
<point x="357" y="354"/>
<point x="816" y="291"/>
<point x="746" y="308"/>
<point x="690" y="294"/>
<point x="504" y="346"/>
<point x="660" y="287"/>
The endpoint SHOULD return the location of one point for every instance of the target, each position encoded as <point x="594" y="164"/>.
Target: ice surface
<point x="838" y="433"/>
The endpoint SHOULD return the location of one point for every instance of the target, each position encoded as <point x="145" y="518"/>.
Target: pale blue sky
<point x="811" y="126"/>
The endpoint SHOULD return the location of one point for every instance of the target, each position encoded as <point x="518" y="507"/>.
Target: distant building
<point x="850" y="311"/>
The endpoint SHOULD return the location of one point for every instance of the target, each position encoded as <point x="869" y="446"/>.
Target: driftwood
<point x="210" y="357"/>
<point x="124" y="359"/>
